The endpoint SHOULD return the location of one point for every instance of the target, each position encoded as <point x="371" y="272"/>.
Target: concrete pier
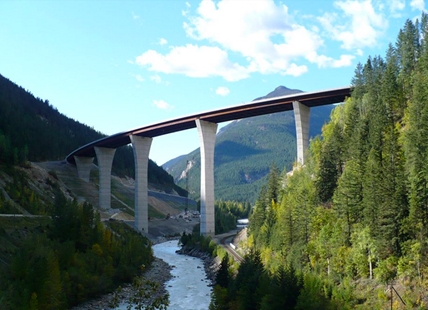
<point x="207" y="135"/>
<point x="301" y="116"/>
<point x="84" y="165"/>
<point x="141" y="147"/>
<point x="105" y="160"/>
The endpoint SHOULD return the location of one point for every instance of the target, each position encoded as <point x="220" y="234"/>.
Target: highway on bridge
<point x="254" y="108"/>
<point x="206" y="122"/>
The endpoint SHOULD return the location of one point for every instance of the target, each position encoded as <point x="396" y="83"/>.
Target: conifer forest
<point x="349" y="229"/>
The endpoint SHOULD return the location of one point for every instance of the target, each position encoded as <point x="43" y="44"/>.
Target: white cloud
<point x="247" y="30"/>
<point x="163" y="41"/>
<point x="156" y="78"/>
<point x="263" y="37"/>
<point x="135" y="16"/>
<point x="160" y="104"/>
<point x="193" y="61"/>
<point x="396" y="5"/>
<point x="296" y="70"/>
<point x="222" y="91"/>
<point x="359" y="25"/>
<point x="325" y="62"/>
<point x="418" y="5"/>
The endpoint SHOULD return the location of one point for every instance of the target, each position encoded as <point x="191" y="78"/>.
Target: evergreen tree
<point x="247" y="286"/>
<point x="408" y="48"/>
<point x="348" y="196"/>
<point x="223" y="276"/>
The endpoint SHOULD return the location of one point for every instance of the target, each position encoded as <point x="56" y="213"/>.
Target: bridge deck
<point x="254" y="108"/>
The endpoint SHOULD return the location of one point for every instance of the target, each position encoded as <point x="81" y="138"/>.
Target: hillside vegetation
<point x="244" y="151"/>
<point x="349" y="230"/>
<point x="56" y="249"/>
<point x="31" y="129"/>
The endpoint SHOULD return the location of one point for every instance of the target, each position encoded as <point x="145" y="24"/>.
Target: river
<point x="188" y="289"/>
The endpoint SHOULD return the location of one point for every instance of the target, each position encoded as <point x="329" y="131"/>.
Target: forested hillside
<point x="32" y="129"/>
<point x="350" y="229"/>
<point x="55" y="252"/>
<point x="244" y="151"/>
<point x="70" y="256"/>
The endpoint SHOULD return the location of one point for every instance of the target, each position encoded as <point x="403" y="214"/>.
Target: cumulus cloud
<point x="193" y="61"/>
<point x="418" y="5"/>
<point x="248" y="30"/>
<point x="359" y="26"/>
<point x="263" y="37"/>
<point x="163" y="41"/>
<point x="160" y="104"/>
<point x="222" y="91"/>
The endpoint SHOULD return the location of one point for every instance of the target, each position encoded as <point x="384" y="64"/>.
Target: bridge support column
<point x="301" y="116"/>
<point x="105" y="161"/>
<point x="141" y="147"/>
<point x="84" y="165"/>
<point x="207" y="135"/>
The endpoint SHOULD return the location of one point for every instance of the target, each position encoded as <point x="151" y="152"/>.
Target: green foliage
<point x="247" y="286"/>
<point x="255" y="288"/>
<point x="77" y="258"/>
<point x="285" y="287"/>
<point x="227" y="213"/>
<point x="355" y="218"/>
<point x="314" y="295"/>
<point x="386" y="271"/>
<point x="33" y="130"/>
<point x="223" y="275"/>
<point x="198" y="241"/>
<point x="21" y="193"/>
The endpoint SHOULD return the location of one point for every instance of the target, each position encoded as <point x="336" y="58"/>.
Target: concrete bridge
<point x="206" y="123"/>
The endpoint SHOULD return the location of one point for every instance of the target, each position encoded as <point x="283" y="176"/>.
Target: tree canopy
<point x="355" y="217"/>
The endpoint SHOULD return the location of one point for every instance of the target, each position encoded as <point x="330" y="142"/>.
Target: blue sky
<point x="118" y="65"/>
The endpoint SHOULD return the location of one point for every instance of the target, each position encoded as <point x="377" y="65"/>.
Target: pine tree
<point x="223" y="275"/>
<point x="349" y="195"/>
<point x="408" y="49"/>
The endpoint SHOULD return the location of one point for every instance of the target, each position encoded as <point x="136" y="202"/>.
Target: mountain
<point x="245" y="150"/>
<point x="279" y="91"/>
<point x="33" y="130"/>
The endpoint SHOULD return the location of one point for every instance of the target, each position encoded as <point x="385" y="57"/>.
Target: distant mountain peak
<point x="280" y="91"/>
<point x="281" y="88"/>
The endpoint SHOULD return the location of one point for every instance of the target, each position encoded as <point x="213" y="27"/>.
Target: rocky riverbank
<point x="159" y="272"/>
